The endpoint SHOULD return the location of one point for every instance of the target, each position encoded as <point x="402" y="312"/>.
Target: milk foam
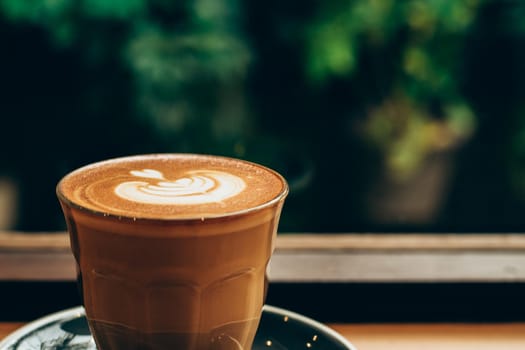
<point x="196" y="187"/>
<point x="171" y="186"/>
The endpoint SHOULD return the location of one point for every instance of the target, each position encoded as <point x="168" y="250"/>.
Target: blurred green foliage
<point x="429" y="37"/>
<point x="310" y="88"/>
<point x="204" y="50"/>
<point x="183" y="65"/>
<point x="343" y="28"/>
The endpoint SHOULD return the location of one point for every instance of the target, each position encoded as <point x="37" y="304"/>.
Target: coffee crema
<point x="171" y="186"/>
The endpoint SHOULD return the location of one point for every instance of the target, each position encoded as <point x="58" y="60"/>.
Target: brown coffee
<point x="172" y="250"/>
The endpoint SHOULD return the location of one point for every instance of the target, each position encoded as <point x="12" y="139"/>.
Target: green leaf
<point x="120" y="9"/>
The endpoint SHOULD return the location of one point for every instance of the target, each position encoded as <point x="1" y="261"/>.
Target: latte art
<point x="171" y="187"/>
<point x="196" y="187"/>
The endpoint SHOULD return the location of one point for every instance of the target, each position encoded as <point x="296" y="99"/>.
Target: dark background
<point x="348" y="302"/>
<point x="294" y="85"/>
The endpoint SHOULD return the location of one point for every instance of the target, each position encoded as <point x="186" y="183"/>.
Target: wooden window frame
<point x="318" y="258"/>
<point x="330" y="277"/>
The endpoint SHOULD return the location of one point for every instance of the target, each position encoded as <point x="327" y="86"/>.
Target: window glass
<point x="383" y="115"/>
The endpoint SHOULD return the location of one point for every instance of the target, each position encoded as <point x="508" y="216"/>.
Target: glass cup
<point x="188" y="282"/>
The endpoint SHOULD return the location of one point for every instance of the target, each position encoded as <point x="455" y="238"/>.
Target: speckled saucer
<point x="279" y="330"/>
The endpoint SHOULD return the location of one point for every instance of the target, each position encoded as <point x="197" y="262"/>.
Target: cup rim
<point x="71" y="203"/>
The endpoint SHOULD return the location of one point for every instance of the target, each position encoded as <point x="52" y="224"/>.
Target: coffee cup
<point x="172" y="249"/>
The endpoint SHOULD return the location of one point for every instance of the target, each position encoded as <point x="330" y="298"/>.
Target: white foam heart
<point x="196" y="187"/>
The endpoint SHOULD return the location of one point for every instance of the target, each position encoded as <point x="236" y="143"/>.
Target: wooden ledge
<point x="401" y="242"/>
<point x="59" y="241"/>
<point x="338" y="258"/>
<point x="33" y="241"/>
